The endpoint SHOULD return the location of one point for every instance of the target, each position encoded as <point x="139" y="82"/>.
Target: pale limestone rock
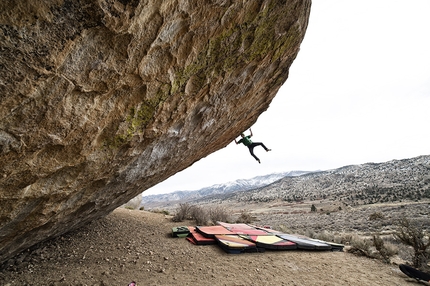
<point x="100" y="100"/>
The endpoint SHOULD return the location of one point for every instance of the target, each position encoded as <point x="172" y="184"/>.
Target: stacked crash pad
<point x="241" y="238"/>
<point x="197" y="238"/>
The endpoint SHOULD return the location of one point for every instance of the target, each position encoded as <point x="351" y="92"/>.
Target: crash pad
<point x="305" y="243"/>
<point x="180" y="231"/>
<point x="198" y="239"/>
<point x="231" y="226"/>
<point x="242" y="228"/>
<point x="270" y="242"/>
<point x="211" y="231"/>
<point x="234" y="244"/>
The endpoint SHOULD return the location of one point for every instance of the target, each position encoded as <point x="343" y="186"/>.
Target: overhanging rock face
<point x="100" y="100"/>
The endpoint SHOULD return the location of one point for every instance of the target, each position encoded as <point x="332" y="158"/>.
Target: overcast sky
<point x="358" y="92"/>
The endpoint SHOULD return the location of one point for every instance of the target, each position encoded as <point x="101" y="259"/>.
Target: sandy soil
<point x="136" y="245"/>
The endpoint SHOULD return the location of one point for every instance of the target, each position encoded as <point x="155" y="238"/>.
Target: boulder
<point x="100" y="100"/>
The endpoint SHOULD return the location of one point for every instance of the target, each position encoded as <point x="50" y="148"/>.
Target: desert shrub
<point x="313" y="208"/>
<point x="376" y="216"/>
<point x="360" y="246"/>
<point x="183" y="212"/>
<point x="391" y="248"/>
<point x="373" y="248"/>
<point x="283" y="228"/>
<point x="218" y="214"/>
<point x="245" y="217"/>
<point x="412" y="235"/>
<point x="345" y="238"/>
<point x="157" y="211"/>
<point x="310" y="233"/>
<point x="326" y="236"/>
<point x="384" y="250"/>
<point x="199" y="215"/>
<point x="142" y="208"/>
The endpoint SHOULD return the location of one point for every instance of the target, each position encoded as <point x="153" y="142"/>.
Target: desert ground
<point x="132" y="245"/>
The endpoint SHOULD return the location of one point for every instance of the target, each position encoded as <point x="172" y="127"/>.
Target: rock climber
<point x="248" y="143"/>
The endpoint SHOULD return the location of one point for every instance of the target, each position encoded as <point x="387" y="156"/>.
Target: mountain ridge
<point x="368" y="183"/>
<point x="155" y="200"/>
<point x="365" y="183"/>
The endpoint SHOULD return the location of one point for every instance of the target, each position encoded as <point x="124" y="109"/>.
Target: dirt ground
<point x="132" y="245"/>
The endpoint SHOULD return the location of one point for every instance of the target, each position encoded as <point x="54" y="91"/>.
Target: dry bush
<point x="310" y="233"/>
<point x="326" y="236"/>
<point x="391" y="248"/>
<point x="360" y="246"/>
<point x="183" y="212"/>
<point x="376" y="247"/>
<point x="376" y="216"/>
<point x="199" y="215"/>
<point x="157" y="211"/>
<point x="245" y="217"/>
<point x="412" y="235"/>
<point x="346" y="238"/>
<point x="313" y="208"/>
<point x="284" y="229"/>
<point x="384" y="249"/>
<point x="218" y="214"/>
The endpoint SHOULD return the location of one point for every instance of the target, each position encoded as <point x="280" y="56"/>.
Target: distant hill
<point x="370" y="183"/>
<point x="164" y="200"/>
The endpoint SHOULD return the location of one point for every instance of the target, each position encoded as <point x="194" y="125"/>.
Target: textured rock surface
<point x="100" y="100"/>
